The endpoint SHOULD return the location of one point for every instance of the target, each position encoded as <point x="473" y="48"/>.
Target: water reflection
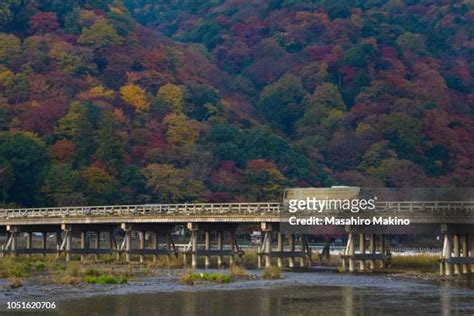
<point x="386" y="297"/>
<point x="283" y="301"/>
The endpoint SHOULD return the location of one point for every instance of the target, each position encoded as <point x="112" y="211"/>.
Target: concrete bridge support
<point x="266" y="251"/>
<point x="18" y="235"/>
<point x="208" y="251"/>
<point x="145" y="232"/>
<point x="291" y="245"/>
<point x="457" y="256"/>
<point x="366" y="260"/>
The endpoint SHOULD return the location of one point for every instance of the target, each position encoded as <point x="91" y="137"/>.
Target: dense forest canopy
<point x="146" y="101"/>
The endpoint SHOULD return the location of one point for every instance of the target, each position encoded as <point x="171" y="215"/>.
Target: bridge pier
<point x="471" y="237"/>
<point x="362" y="252"/>
<point x="141" y="238"/>
<point x="193" y="227"/>
<point x="455" y="257"/>
<point x="44" y="242"/>
<point x="25" y="232"/>
<point x="291" y="245"/>
<point x="220" y="247"/>
<point x="465" y="252"/>
<point x="267" y="244"/>
<point x="156" y="242"/>
<point x="349" y="256"/>
<point x="266" y="252"/>
<point x="97" y="245"/>
<point x="207" y="246"/>
<point x="372" y="250"/>
<point x="84" y="244"/>
<point x="207" y="251"/>
<point x="142" y="250"/>
<point x="67" y="239"/>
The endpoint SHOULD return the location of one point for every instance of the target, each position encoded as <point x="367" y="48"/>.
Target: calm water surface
<point x="326" y="294"/>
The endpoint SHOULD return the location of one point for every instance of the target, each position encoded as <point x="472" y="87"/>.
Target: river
<point x="313" y="293"/>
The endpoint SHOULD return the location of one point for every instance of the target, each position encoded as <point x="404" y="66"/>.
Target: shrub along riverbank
<point x="107" y="270"/>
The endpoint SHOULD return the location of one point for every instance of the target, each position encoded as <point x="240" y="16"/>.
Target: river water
<point x="315" y="293"/>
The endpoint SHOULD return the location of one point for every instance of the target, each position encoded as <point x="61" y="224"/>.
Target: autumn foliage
<point x="169" y="101"/>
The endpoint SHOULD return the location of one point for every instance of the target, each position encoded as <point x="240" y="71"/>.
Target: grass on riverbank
<point x="418" y="262"/>
<point x="238" y="271"/>
<point x="272" y="273"/>
<point x="104" y="279"/>
<point x="49" y="270"/>
<point x="191" y="277"/>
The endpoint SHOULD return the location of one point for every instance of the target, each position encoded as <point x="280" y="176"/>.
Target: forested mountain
<point x="146" y="101"/>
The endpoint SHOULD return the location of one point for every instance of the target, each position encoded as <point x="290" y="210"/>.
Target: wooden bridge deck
<point x="416" y="211"/>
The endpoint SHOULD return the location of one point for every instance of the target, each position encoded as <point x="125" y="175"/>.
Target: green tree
<point x="10" y="49"/>
<point x="77" y="127"/>
<point x="322" y="111"/>
<point x="101" y="35"/>
<point x="110" y="148"/>
<point x="412" y="42"/>
<point x="99" y="186"/>
<point x="7" y="11"/>
<point x="181" y="130"/>
<point x="62" y="186"/>
<point x="172" y="185"/>
<point x="264" y="180"/>
<point x="172" y="97"/>
<point x="27" y="160"/>
<point x="280" y="102"/>
<point x="403" y="131"/>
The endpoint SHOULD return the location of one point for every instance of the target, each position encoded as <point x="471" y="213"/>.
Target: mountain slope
<point x="228" y="100"/>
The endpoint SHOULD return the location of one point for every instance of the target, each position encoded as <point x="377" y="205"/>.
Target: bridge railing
<point x="271" y="208"/>
<point x="439" y="207"/>
<point x="262" y="209"/>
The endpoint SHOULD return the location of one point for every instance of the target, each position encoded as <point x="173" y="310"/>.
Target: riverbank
<point x="298" y="290"/>
<point x="23" y="273"/>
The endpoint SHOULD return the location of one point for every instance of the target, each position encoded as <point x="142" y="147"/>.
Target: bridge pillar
<point x="446" y="255"/>
<point x="156" y="242"/>
<point x="193" y="227"/>
<point x="465" y="252"/>
<point x="12" y="242"/>
<point x="207" y="247"/>
<point x="29" y="242"/>
<point x="169" y="244"/>
<point x="220" y="246"/>
<point x="58" y="244"/>
<point x="383" y="251"/>
<point x="291" y="244"/>
<point x="112" y="245"/>
<point x="127" y="241"/>
<point x="280" y="249"/>
<point x="267" y="243"/>
<point x="97" y="245"/>
<point x="233" y="246"/>
<point x="372" y="251"/>
<point x="351" y="251"/>
<point x="362" y="251"/>
<point x="458" y="259"/>
<point x="141" y="236"/>
<point x="303" y="246"/>
<point x="67" y="241"/>
<point x="14" y="236"/>
<point x="457" y="253"/>
<point x="44" y="243"/>
<point x="471" y="237"/>
<point x="83" y="244"/>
